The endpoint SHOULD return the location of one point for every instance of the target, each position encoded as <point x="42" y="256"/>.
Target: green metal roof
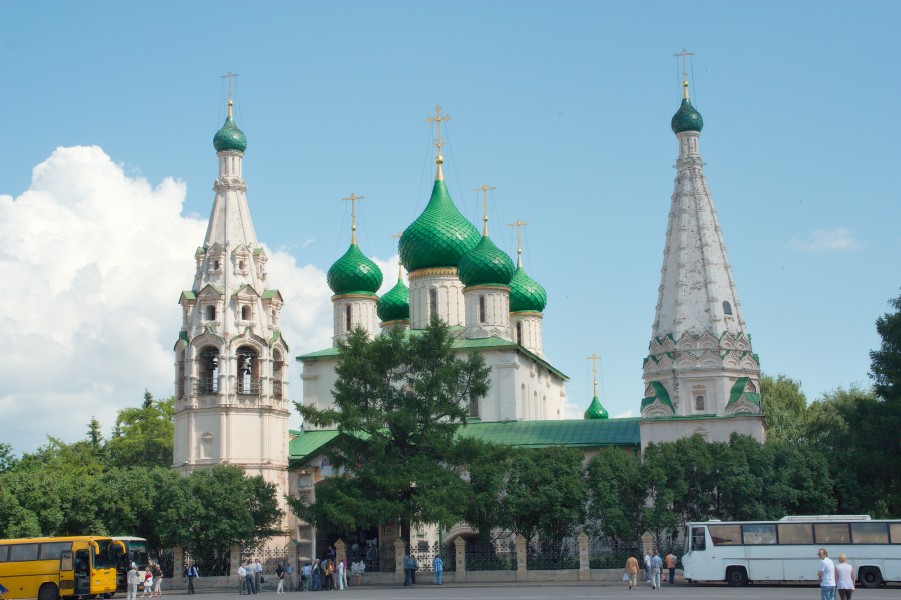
<point x="439" y="236"/>
<point x="738" y="391"/>
<point x="395" y="304"/>
<point x="687" y="118"/>
<point x="486" y="264"/>
<point x="189" y="294"/>
<point x="526" y="294"/>
<point x="354" y="273"/>
<point x="229" y="137"/>
<point x="661" y="394"/>
<point x="576" y="433"/>
<point x="596" y="410"/>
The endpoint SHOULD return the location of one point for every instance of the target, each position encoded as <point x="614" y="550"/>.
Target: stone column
<point x="647" y="544"/>
<point x="178" y="568"/>
<point x="584" y="560"/>
<point x="399" y="551"/>
<point x="340" y="550"/>
<point x="292" y="559"/>
<point x="460" y="550"/>
<point x="234" y="560"/>
<point x="522" y="568"/>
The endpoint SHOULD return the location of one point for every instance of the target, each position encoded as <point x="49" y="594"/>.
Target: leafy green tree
<point x="398" y="402"/>
<point x="885" y="367"/>
<point x="213" y="509"/>
<point x="784" y="409"/>
<point x="143" y="437"/>
<point x="546" y="492"/>
<point x="617" y="495"/>
<point x="8" y="460"/>
<point x="488" y="470"/>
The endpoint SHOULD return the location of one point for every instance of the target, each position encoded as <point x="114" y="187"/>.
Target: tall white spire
<point x="700" y="360"/>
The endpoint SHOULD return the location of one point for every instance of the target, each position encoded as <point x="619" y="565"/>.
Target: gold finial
<point x="397" y="236"/>
<point x="594" y="358"/>
<point x="518" y="224"/>
<point x="353" y="216"/>
<point x="230" y="76"/>
<point x="437" y="119"/>
<point x="484" y="189"/>
<point x="684" y="54"/>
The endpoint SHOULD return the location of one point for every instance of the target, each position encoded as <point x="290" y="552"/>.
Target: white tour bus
<point x="739" y="552"/>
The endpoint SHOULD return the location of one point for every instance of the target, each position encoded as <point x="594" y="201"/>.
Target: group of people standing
<point x="411" y="565"/>
<point x="250" y="577"/>
<point x="152" y="580"/>
<point x="834" y="577"/>
<point x="653" y="568"/>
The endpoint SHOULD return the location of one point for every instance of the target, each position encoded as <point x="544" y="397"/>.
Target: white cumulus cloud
<point x="93" y="261"/>
<point x="822" y="240"/>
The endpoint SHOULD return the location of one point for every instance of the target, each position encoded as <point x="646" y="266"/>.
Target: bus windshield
<point x="106" y="558"/>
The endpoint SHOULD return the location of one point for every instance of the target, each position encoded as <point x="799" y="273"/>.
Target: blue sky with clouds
<point x="105" y="176"/>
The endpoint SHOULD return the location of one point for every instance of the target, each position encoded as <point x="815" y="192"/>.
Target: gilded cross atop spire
<point x="437" y="119"/>
<point x="230" y="76"/>
<point x="397" y="236"/>
<point x="519" y="225"/>
<point x="484" y="189"/>
<point x="684" y="54"/>
<point x="594" y="358"/>
<point x="353" y="215"/>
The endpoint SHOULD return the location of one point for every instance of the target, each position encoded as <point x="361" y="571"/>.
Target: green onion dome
<point x="526" y="294"/>
<point x="687" y="118"/>
<point x="596" y="411"/>
<point x="354" y="273"/>
<point x="395" y="304"/>
<point x="439" y="237"/>
<point x="230" y="137"/>
<point x="486" y="264"/>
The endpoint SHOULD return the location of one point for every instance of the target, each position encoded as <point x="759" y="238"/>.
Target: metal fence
<point x="498" y="555"/>
<point x="211" y="562"/>
<point x="425" y="556"/>
<point x="269" y="558"/>
<point x="550" y="555"/>
<point x="376" y="558"/>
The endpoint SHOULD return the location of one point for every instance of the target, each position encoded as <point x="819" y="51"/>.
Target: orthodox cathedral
<point x="232" y="405"/>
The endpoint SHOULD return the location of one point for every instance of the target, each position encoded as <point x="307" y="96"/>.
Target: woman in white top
<point x="844" y="578"/>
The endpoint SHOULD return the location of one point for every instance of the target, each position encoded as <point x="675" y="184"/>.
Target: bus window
<point x="758" y="534"/>
<point x="698" y="541"/>
<point x="869" y="533"/>
<point x="23" y="552"/>
<point x="831" y="533"/>
<point x="725" y="535"/>
<point x="795" y="533"/>
<point x="895" y="528"/>
<point x="53" y="550"/>
<point x="4" y="552"/>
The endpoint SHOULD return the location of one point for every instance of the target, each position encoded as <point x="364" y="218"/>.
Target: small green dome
<point x="486" y="264"/>
<point x="395" y="304"/>
<point x="354" y="273"/>
<point x="439" y="237"/>
<point x="687" y="118"/>
<point x="526" y="294"/>
<point x="596" y="411"/>
<point x="229" y="137"/>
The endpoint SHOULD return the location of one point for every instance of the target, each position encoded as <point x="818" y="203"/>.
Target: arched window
<point x="433" y="302"/>
<point x="180" y="391"/>
<point x="206" y="445"/>
<point x="699" y="396"/>
<point x="483" y="311"/>
<point x="519" y="332"/>
<point x="727" y="308"/>
<point x="278" y="366"/>
<point x="348" y="318"/>
<point x="245" y="313"/>
<point x="208" y="371"/>
<point x="473" y="406"/>
<point x="248" y="371"/>
<point x="210" y="312"/>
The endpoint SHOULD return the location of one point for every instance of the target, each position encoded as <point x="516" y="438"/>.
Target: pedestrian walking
<point x="257" y="575"/>
<point x="280" y="576"/>
<point x="289" y="575"/>
<point x="133" y="580"/>
<point x="632" y="571"/>
<point x="438" y="568"/>
<point x="826" y="575"/>
<point x="407" y="566"/>
<point x="306" y="574"/>
<point x="148" y="583"/>
<point x="191" y="573"/>
<point x="656" y="567"/>
<point x="671" y="561"/>
<point x="157" y="580"/>
<point x="647" y="566"/>
<point x="844" y="578"/>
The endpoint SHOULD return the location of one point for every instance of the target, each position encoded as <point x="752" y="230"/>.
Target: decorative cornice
<point x="486" y="287"/>
<point x="224" y="184"/>
<point x="432" y="272"/>
<point x="361" y="296"/>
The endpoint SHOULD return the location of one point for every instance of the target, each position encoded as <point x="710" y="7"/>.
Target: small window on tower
<point x="433" y="303"/>
<point x="347" y="318"/>
<point x="240" y="265"/>
<point x="727" y="308"/>
<point x="519" y="333"/>
<point x="483" y="310"/>
<point x="245" y="313"/>
<point x="215" y="265"/>
<point x="699" y="394"/>
<point x="211" y="313"/>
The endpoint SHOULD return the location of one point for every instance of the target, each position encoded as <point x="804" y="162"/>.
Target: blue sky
<point x="563" y="106"/>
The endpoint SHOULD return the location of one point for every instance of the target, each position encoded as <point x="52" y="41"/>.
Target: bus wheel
<point x="48" y="591"/>
<point x="736" y="576"/>
<point x="869" y="577"/>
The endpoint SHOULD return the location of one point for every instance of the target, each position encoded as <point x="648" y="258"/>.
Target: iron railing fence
<point x="205" y="386"/>
<point x="551" y="555"/>
<point x="250" y="387"/>
<point x="269" y="558"/>
<point x="210" y="562"/>
<point x="426" y="553"/>
<point x="499" y="555"/>
<point x="166" y="560"/>
<point x="375" y="558"/>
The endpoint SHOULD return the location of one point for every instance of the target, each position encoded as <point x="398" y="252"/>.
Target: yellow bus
<point x="50" y="568"/>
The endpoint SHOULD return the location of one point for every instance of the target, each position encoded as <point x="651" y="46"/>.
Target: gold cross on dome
<point x="353" y="217"/>
<point x="397" y="236"/>
<point x="684" y="54"/>
<point x="484" y="189"/>
<point x="230" y="76"/>
<point x="437" y="119"/>
<point x="519" y="225"/>
<point x="594" y="358"/>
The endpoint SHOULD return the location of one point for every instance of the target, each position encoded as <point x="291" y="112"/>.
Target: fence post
<point x="647" y="543"/>
<point x="522" y="568"/>
<point x="399" y="552"/>
<point x="292" y="559"/>
<point x="178" y="567"/>
<point x="340" y="551"/>
<point x="234" y="560"/>
<point x="460" y="550"/>
<point x="584" y="559"/>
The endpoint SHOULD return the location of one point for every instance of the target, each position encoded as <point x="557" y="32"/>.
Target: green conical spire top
<point x="596" y="411"/>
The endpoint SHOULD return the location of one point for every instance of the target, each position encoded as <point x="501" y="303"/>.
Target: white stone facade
<point x="351" y="311"/>
<point x="231" y="363"/>
<point x="436" y="291"/>
<point x="487" y="311"/>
